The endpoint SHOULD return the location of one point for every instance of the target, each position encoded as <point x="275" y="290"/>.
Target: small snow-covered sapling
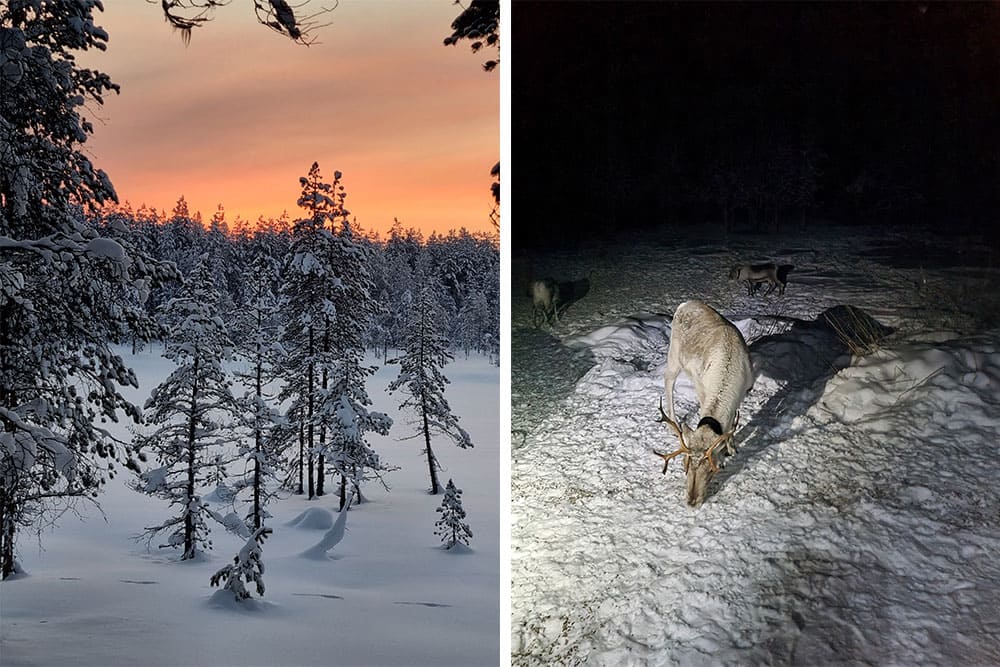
<point x="451" y="527"/>
<point x="247" y="566"/>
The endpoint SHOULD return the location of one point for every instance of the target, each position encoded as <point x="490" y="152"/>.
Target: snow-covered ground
<point x="386" y="595"/>
<point x="858" y="523"/>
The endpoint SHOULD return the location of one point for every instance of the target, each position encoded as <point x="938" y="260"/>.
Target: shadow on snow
<point x="802" y="360"/>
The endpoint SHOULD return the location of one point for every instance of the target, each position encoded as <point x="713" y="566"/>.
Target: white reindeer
<point x="712" y="352"/>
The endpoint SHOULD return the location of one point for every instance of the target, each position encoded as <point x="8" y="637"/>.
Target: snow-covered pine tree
<point x="189" y="440"/>
<point x="183" y="237"/>
<point x="451" y="527"/>
<point x="398" y="276"/>
<point x="220" y="250"/>
<point x="474" y="323"/>
<point x="248" y="566"/>
<point x="256" y="333"/>
<point x="66" y="293"/>
<point x="487" y="282"/>
<point x="309" y="282"/>
<point x="345" y="402"/>
<point x="420" y="376"/>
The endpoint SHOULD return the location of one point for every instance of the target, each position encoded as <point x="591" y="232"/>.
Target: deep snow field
<point x="387" y="594"/>
<point x="859" y="522"/>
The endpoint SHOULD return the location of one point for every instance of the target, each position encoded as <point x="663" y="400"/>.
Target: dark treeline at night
<point x="462" y="266"/>
<point x="755" y="116"/>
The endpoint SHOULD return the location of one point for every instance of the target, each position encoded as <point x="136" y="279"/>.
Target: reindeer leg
<point x="731" y="442"/>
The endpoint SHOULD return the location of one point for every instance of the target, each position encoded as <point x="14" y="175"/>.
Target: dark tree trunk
<point x="321" y="464"/>
<point x="357" y="489"/>
<point x="257" y="434"/>
<point x="192" y="424"/>
<point x="7" y="530"/>
<point x="302" y="456"/>
<point x="309" y="414"/>
<point x="8" y="506"/>
<point x="310" y="475"/>
<point x="431" y="462"/>
<point x="321" y="472"/>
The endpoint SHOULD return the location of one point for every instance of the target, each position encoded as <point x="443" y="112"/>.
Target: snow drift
<point x="856" y="524"/>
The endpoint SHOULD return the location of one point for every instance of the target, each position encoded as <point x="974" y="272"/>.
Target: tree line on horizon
<point x="463" y="266"/>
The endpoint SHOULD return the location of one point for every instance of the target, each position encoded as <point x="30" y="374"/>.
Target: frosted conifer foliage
<point x="190" y="440"/>
<point x="345" y="407"/>
<point x="307" y="307"/>
<point x="328" y="306"/>
<point x="451" y="527"/>
<point x="247" y="566"/>
<point x="420" y="376"/>
<point x="65" y="292"/>
<point x="256" y="333"/>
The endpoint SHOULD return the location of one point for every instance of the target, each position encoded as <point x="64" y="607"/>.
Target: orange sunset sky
<point x="241" y="113"/>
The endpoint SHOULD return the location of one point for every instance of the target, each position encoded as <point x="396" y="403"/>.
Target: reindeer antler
<point x="715" y="443"/>
<point x="680" y="436"/>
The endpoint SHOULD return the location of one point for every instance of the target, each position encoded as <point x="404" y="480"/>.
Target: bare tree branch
<point x="288" y="19"/>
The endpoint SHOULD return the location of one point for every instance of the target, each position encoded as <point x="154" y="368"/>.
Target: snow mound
<point x="459" y="549"/>
<point x="948" y="384"/>
<point x="858" y="523"/>
<point x="221" y="494"/>
<point x="314" y="518"/>
<point x="642" y="330"/>
<point x="330" y="539"/>
<point x="621" y="352"/>
<point x="226" y="601"/>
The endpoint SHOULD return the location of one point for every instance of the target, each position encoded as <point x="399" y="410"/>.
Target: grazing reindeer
<point x="751" y="275"/>
<point x="544" y="301"/>
<point x="712" y="352"/>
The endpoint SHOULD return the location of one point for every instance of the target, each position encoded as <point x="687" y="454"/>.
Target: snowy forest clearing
<point x="388" y="594"/>
<point x="859" y="520"/>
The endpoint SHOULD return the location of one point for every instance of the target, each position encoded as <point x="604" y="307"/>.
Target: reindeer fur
<point x="712" y="352"/>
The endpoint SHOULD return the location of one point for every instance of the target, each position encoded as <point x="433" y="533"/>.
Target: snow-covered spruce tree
<point x="222" y="259"/>
<point x="256" y="334"/>
<point x="189" y="440"/>
<point x="451" y="527"/>
<point x="473" y="330"/>
<point x="344" y="406"/>
<point x="420" y="376"/>
<point x="400" y="258"/>
<point x="307" y="306"/>
<point x="248" y="566"/>
<point x="66" y="293"/>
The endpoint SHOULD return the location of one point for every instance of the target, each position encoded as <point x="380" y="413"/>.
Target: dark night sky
<point x="633" y="114"/>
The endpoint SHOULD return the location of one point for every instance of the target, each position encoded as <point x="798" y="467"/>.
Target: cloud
<point x="241" y="113"/>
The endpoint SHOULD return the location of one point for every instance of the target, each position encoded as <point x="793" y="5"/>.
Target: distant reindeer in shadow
<point x="752" y="276"/>
<point x="550" y="299"/>
<point x="802" y="358"/>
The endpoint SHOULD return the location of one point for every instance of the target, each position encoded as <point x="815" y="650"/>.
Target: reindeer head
<point x="698" y="448"/>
